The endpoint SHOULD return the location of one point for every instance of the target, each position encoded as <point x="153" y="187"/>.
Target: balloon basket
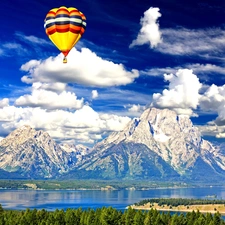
<point x="65" y="60"/>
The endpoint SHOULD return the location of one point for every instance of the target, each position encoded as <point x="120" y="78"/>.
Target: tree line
<point x="105" y="216"/>
<point x="179" y="201"/>
<point x="85" y="184"/>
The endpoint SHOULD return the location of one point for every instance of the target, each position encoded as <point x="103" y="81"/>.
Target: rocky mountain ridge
<point x="174" y="140"/>
<point x="158" y="145"/>
<point x="34" y="154"/>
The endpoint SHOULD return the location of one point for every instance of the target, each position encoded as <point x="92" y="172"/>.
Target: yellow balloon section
<point x="65" y="26"/>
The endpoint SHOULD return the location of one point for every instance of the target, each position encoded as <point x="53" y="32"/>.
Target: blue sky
<point x="133" y="54"/>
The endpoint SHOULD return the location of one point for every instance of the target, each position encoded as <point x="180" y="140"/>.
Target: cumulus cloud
<point x="211" y="129"/>
<point x="82" y="126"/>
<point x="135" y="108"/>
<point x="94" y="94"/>
<point x="214" y="100"/>
<point x="4" y="102"/>
<point x="114" y="122"/>
<point x="50" y="100"/>
<point x="83" y="67"/>
<point x="149" y="32"/>
<point x="182" y="94"/>
<point x="55" y="87"/>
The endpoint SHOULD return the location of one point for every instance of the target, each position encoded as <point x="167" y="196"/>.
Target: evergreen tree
<point x="71" y="218"/>
<point x="109" y="216"/>
<point x="211" y="223"/>
<point x="91" y="217"/>
<point x="217" y="219"/>
<point x="201" y="220"/>
<point x="129" y="216"/>
<point x="158" y="220"/>
<point x="97" y="216"/>
<point x="59" y="216"/>
<point x="191" y="218"/>
<point x="41" y="215"/>
<point x="2" y="220"/>
<point x="138" y="218"/>
<point x="182" y="219"/>
<point x="147" y="218"/>
<point x="83" y="218"/>
<point x="51" y="219"/>
<point x="175" y="220"/>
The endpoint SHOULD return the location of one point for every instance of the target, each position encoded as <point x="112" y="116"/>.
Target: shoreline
<point x="207" y="208"/>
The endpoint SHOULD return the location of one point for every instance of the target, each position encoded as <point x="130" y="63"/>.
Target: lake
<point x="63" y="199"/>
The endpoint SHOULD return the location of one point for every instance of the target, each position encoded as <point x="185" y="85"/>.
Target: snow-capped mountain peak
<point x="18" y="136"/>
<point x="35" y="153"/>
<point x="172" y="137"/>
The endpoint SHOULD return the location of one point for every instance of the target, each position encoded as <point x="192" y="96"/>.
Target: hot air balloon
<point x="65" y="26"/>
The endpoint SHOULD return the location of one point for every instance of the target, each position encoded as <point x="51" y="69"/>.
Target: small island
<point x="182" y="205"/>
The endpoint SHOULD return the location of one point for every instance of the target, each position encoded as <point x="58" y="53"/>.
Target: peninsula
<point x="182" y="205"/>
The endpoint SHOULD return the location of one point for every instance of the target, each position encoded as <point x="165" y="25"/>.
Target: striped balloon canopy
<point x="65" y="26"/>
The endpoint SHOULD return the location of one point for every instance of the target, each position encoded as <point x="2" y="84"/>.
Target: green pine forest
<point x="105" y="216"/>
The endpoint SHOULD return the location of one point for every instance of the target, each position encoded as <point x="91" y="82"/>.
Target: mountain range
<point x="160" y="145"/>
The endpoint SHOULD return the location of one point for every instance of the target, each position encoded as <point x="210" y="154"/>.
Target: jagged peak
<point x="22" y="134"/>
<point x="150" y="113"/>
<point x="24" y="128"/>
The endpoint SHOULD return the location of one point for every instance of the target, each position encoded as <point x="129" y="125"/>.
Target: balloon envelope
<point x="65" y="26"/>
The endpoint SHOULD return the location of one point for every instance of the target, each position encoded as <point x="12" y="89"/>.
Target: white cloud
<point x="221" y="135"/>
<point x="56" y="87"/>
<point x="214" y="100"/>
<point x="197" y="68"/>
<point x="206" y="68"/>
<point x="32" y="39"/>
<point x="182" y="41"/>
<point x="158" y="71"/>
<point x="4" y="102"/>
<point x="50" y="100"/>
<point x="12" y="46"/>
<point x="182" y="94"/>
<point x="134" y="110"/>
<point x="211" y="129"/>
<point x="149" y="32"/>
<point x="94" y="94"/>
<point x="82" y="126"/>
<point x="114" y="122"/>
<point x="9" y="49"/>
<point x="83" y="67"/>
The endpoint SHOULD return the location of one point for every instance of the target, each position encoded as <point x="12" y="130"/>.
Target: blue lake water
<point x="63" y="199"/>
